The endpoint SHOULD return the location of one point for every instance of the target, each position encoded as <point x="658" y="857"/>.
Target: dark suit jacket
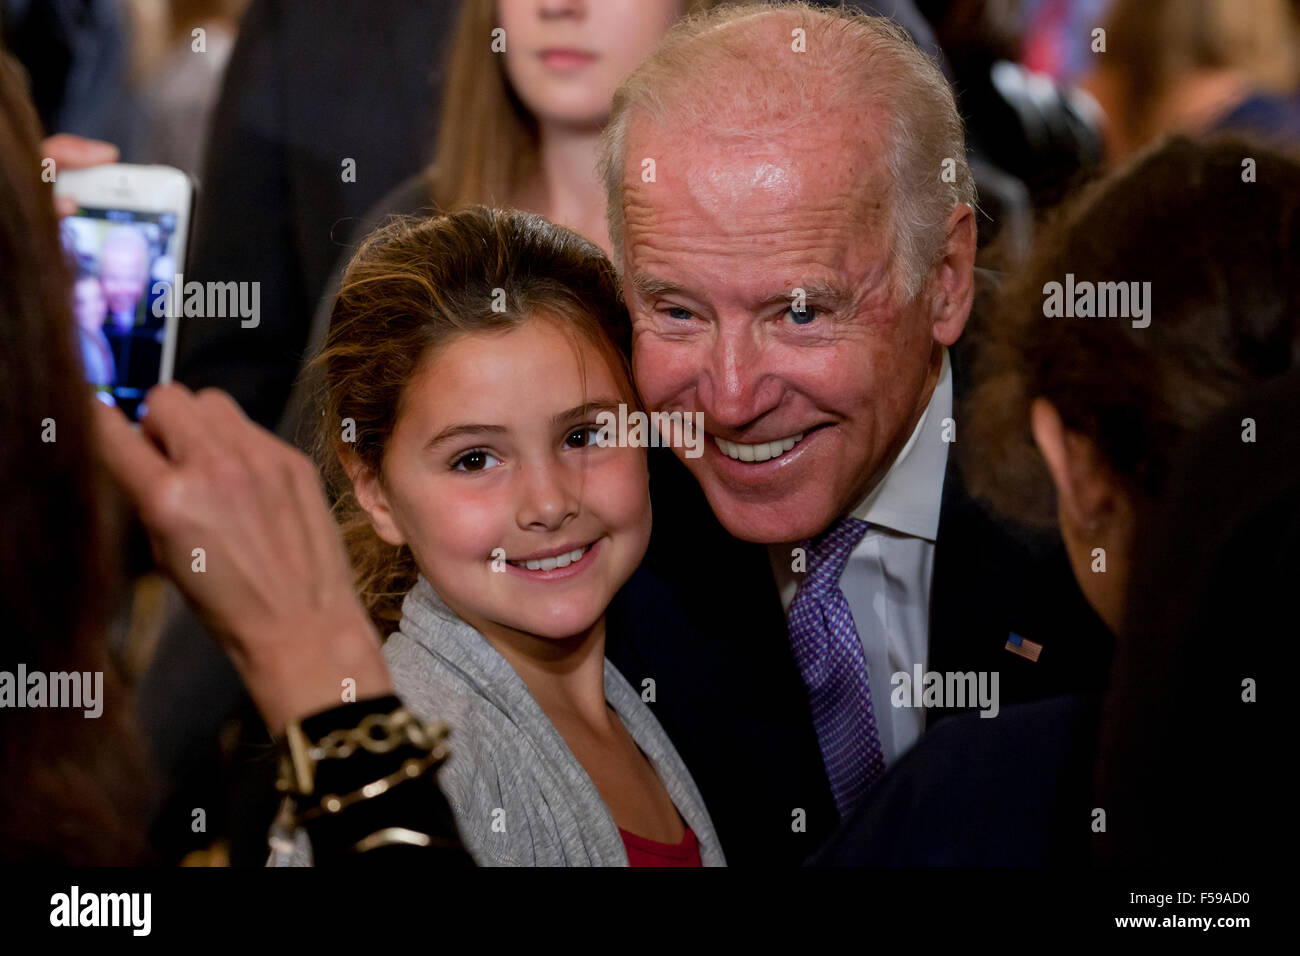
<point x="308" y="86"/>
<point x="704" y="621"/>
<point x="1014" y="790"/>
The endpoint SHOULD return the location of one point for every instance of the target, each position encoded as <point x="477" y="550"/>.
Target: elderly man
<point x="123" y="271"/>
<point x="792" y="212"/>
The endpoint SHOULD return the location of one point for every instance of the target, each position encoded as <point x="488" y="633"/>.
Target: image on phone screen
<point x="124" y="263"/>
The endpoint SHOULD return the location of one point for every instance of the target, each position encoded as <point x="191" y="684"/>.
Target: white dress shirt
<point x="887" y="578"/>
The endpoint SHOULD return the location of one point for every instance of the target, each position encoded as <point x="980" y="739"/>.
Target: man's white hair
<point x="130" y="238"/>
<point x="719" y="70"/>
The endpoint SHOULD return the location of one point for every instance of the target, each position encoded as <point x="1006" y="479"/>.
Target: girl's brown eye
<point x="581" y="437"/>
<point x="474" y="460"/>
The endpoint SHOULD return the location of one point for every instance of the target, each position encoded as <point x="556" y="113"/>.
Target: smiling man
<point x="791" y="208"/>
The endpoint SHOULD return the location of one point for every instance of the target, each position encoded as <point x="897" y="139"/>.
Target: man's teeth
<point x="550" y="564"/>
<point x="760" y="452"/>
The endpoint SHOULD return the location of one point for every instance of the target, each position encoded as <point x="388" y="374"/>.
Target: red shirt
<point x="643" y="852"/>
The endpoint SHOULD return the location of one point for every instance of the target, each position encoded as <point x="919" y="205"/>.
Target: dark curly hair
<point x="1222" y="253"/>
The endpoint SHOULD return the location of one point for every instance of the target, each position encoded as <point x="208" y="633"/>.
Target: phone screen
<point x="124" y="264"/>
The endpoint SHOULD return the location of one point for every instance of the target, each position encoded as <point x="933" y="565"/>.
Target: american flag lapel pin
<point x="1026" y="649"/>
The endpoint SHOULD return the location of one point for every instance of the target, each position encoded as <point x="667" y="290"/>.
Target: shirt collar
<point x="908" y="498"/>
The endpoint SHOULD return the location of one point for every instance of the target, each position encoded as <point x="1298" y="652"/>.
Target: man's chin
<point x="776" y="522"/>
<point x="773" y="500"/>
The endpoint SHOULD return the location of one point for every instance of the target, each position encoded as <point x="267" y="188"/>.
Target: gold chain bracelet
<point x="333" y="803"/>
<point x="376" y="734"/>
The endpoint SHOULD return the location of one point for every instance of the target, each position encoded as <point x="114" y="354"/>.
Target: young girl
<point x="467" y="360"/>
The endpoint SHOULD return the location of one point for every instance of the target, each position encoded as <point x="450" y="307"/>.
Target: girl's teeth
<point x="550" y="564"/>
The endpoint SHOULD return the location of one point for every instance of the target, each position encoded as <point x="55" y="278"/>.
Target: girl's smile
<point x="494" y="479"/>
<point x="555" y="563"/>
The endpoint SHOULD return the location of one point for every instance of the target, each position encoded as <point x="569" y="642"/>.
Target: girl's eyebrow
<point x="455" y="431"/>
<point x="585" y="410"/>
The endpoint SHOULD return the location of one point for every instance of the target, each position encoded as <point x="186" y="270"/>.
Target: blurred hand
<point x="272" y="579"/>
<point x="75" y="152"/>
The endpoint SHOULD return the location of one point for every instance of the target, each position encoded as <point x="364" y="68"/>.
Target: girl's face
<point x="493" y="478"/>
<point x="565" y="58"/>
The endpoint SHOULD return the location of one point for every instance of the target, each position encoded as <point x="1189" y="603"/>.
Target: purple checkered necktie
<point x="829" y="654"/>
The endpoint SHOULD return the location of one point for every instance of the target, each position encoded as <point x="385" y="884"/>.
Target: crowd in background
<point x="265" y="102"/>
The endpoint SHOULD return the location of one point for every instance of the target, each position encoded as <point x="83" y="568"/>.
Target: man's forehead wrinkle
<point x="703" y="265"/>
<point x="694" y="223"/>
<point x="764" y="183"/>
<point x="812" y="244"/>
<point x="739" y="213"/>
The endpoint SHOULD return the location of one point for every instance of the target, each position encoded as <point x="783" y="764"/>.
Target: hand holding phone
<point x="275" y="586"/>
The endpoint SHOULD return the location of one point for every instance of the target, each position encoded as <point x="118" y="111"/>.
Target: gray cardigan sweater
<point x="519" y="796"/>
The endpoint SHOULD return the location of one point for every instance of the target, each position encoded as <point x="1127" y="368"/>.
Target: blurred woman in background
<point x="1194" y="66"/>
<point x="520" y="128"/>
<point x="1094" y="423"/>
<point x="527" y="91"/>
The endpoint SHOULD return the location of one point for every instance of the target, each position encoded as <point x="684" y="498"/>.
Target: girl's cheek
<point x="458" y="520"/>
<point x="622" y="491"/>
<point x="480" y="526"/>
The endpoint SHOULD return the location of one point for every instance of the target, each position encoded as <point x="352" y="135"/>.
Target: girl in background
<point x="521" y="119"/>
<point x="521" y="128"/>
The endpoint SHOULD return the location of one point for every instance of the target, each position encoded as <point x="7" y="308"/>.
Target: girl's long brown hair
<point x="488" y="141"/>
<point x="413" y="287"/>
<point x="71" y="790"/>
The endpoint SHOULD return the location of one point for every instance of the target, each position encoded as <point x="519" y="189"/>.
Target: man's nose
<point x="734" y="388"/>
<point x="549" y="495"/>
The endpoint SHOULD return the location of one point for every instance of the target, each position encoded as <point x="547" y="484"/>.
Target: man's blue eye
<point x="678" y="313"/>
<point x="804" y="315"/>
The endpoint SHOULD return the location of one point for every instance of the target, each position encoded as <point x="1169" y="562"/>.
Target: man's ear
<point x="372" y="498"/>
<point x="1084" y="489"/>
<point x="953" y="281"/>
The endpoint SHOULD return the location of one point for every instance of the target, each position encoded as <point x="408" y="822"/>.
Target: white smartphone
<point x="127" y="244"/>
